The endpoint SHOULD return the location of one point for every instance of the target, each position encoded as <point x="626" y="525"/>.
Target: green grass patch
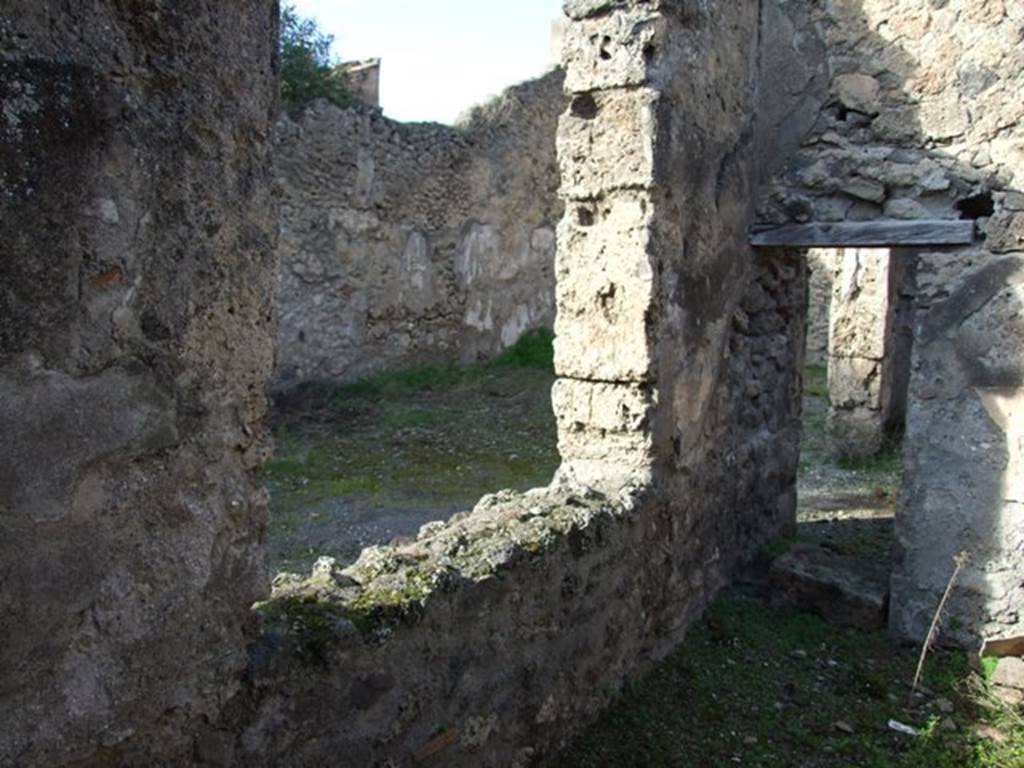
<point x="410" y="445"/>
<point x="534" y="349"/>
<point x="760" y="686"/>
<point x="398" y="384"/>
<point x="889" y="461"/>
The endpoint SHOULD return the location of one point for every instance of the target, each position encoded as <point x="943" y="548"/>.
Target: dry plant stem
<point x="933" y="631"/>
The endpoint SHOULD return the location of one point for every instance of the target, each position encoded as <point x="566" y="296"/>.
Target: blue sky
<point x="440" y="56"/>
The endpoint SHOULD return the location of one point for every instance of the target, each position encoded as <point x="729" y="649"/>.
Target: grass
<point x="534" y="350"/>
<point x="756" y="685"/>
<point x="408" y="446"/>
<point x="888" y="462"/>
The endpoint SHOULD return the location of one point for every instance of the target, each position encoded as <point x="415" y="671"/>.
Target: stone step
<point x="843" y="590"/>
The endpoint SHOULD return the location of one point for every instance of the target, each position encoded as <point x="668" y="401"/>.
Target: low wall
<point x="415" y="244"/>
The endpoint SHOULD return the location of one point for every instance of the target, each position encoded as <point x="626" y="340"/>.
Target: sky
<point x="440" y="57"/>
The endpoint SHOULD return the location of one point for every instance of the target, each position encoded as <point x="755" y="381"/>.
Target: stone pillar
<point x="605" y="276"/>
<point x="964" y="464"/>
<point x="136" y="332"/>
<point x="862" y="351"/>
<point x="821" y="263"/>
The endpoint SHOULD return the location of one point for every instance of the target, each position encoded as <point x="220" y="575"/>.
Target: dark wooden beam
<point x="880" y="233"/>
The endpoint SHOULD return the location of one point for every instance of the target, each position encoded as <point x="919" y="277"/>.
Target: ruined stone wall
<point x="414" y="244"/>
<point x="136" y="334"/>
<point x="363" y="80"/>
<point x="678" y="352"/>
<point x="921" y="119"/>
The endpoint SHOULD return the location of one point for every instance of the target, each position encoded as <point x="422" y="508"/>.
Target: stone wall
<point x="136" y="333"/>
<point x="415" y="244"/>
<point x="920" y="120"/>
<point x="135" y="204"/>
<point x="678" y="353"/>
<point x="363" y="80"/>
<point x="862" y="351"/>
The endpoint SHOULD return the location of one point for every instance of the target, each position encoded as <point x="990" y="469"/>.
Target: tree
<point x="308" y="70"/>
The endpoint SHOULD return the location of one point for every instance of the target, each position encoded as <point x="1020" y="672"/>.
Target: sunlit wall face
<point x="443" y="56"/>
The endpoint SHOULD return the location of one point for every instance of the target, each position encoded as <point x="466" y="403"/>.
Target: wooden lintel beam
<point x="881" y="233"/>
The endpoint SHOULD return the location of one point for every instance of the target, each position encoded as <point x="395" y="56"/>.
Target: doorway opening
<point x="856" y="377"/>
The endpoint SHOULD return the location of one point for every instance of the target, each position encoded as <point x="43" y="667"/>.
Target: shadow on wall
<point x="923" y="121"/>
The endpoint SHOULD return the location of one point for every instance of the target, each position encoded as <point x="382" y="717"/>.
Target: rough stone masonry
<point x="921" y="120"/>
<point x="137" y="325"/>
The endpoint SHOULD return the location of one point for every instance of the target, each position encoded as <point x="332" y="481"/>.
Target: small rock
<point x="908" y="730"/>
<point x="843" y="726"/>
<point x="858" y="92"/>
<point x="948" y="724"/>
<point x="905" y="208"/>
<point x="864" y="189"/>
<point x="1009" y="673"/>
<point x="944" y="705"/>
<point x="1012" y="696"/>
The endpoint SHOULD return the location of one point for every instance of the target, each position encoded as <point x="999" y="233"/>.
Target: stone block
<point x="842" y="590"/>
<point x="944" y="116"/>
<point x="606" y="142"/>
<point x="856" y="431"/>
<point x="612" y="51"/>
<point x="1009" y="673"/>
<point x="858" y="92"/>
<point x="602" y="422"/>
<point x="605" y="289"/>
<point x="864" y="189"/>
<point x="1005" y="231"/>
<point x="854" y="381"/>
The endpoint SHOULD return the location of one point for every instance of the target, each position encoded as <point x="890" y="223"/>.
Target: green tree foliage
<point x="308" y="70"/>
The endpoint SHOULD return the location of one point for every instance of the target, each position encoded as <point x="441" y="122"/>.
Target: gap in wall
<point x="860" y="333"/>
<point x="365" y="463"/>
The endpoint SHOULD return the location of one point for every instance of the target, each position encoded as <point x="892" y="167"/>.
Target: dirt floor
<point x="846" y="506"/>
